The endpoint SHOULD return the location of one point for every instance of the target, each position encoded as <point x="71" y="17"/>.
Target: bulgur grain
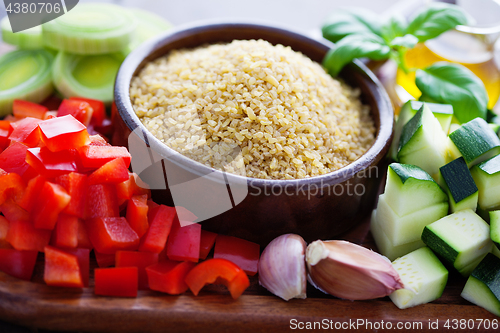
<point x="254" y="109"/>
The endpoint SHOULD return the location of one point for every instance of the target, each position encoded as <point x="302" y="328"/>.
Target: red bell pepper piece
<point x="96" y="156"/>
<point x="22" y="235"/>
<point x="137" y="214"/>
<point x="52" y="102"/>
<point x="207" y="241"/>
<point x="151" y="205"/>
<point x="105" y="259"/>
<point x="83" y="237"/>
<point x="243" y="253"/>
<point x="50" y="115"/>
<point x="83" y="257"/>
<point x="4" y="229"/>
<point x="5" y="125"/>
<point x="4" y="138"/>
<point x="185" y="216"/>
<point x="183" y="243"/>
<point x="130" y="187"/>
<point x="50" y="164"/>
<point x="11" y="187"/>
<point x="81" y="110"/>
<point x="160" y="223"/>
<point x="32" y="193"/>
<point x="111" y="234"/>
<point x="76" y="185"/>
<point x="141" y="260"/>
<point x="26" y="131"/>
<point x="220" y="271"/>
<point x="114" y="171"/>
<point x="99" y="110"/>
<point x="118" y="282"/>
<point x="168" y="276"/>
<point x="62" y="269"/>
<point x="98" y="140"/>
<point x="19" y="264"/>
<point x="53" y="199"/>
<point x="63" y="133"/>
<point x="22" y="109"/>
<point x="13" y="159"/>
<point x="65" y="233"/>
<point x="102" y="201"/>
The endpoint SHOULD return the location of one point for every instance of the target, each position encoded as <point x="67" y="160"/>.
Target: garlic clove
<point x="282" y="267"/>
<point x="350" y="271"/>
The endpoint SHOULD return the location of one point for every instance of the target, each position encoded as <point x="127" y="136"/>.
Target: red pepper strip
<point x="65" y="233"/>
<point x="183" y="243"/>
<point x="97" y="156"/>
<point x="22" y="109"/>
<point x="26" y="131"/>
<point x="137" y="214"/>
<point x="81" y="110"/>
<point x="19" y="264"/>
<point x="4" y="229"/>
<point x="141" y="260"/>
<point x="76" y="185"/>
<point x="11" y="187"/>
<point x="168" y="276"/>
<point x="212" y="270"/>
<point x="243" y="253"/>
<point x="53" y="199"/>
<point x="99" y="111"/>
<point x="118" y="282"/>
<point x="102" y="201"/>
<point x="50" y="164"/>
<point x="62" y="269"/>
<point x="104" y="260"/>
<point x="32" y="193"/>
<point x="111" y="234"/>
<point x="160" y="224"/>
<point x="63" y="133"/>
<point x="207" y="241"/>
<point x="114" y="172"/>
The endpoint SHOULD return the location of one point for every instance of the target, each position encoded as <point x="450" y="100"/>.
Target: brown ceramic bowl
<point x="320" y="207"/>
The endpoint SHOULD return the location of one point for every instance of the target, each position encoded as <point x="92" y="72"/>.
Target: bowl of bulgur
<point x="249" y="131"/>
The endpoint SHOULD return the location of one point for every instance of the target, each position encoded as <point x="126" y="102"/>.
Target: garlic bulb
<point x="350" y="271"/>
<point x="282" y="268"/>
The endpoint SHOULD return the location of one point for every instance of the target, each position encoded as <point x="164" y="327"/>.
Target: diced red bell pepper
<point x="81" y="110"/>
<point x="66" y="232"/>
<point x="185" y="216"/>
<point x="220" y="271"/>
<point x="117" y="282"/>
<point x="50" y="164"/>
<point x="32" y="193"/>
<point x="26" y="131"/>
<point x="19" y="264"/>
<point x="22" y="235"/>
<point x="52" y="102"/>
<point x="83" y="257"/>
<point x="62" y="269"/>
<point x="98" y="140"/>
<point x="53" y="199"/>
<point x="105" y="259"/>
<point x="50" y="115"/>
<point x="111" y="234"/>
<point x="5" y="125"/>
<point x="243" y="253"/>
<point x="4" y="138"/>
<point x="4" y="229"/>
<point x="151" y="205"/>
<point x="183" y="243"/>
<point x="22" y="109"/>
<point x="96" y="156"/>
<point x="128" y="188"/>
<point x="99" y="110"/>
<point x="13" y="159"/>
<point x="76" y="185"/>
<point x="114" y="171"/>
<point x="63" y="133"/>
<point x="160" y="223"/>
<point x="141" y="260"/>
<point x="11" y="187"/>
<point x="168" y="276"/>
<point x="137" y="214"/>
<point x="207" y="241"/>
<point x="106" y="128"/>
<point x="83" y="237"/>
<point x="102" y="201"/>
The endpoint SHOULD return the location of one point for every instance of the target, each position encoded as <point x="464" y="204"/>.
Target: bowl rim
<point x="127" y="70"/>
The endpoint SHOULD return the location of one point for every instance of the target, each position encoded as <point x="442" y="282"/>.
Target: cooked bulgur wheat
<point x="254" y="109"/>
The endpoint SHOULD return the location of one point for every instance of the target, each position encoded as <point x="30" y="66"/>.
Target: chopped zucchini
<point x="423" y="142"/>
<point x="409" y="189"/>
<point x="495" y="227"/>
<point x="482" y="287"/>
<point x="486" y="175"/>
<point x="423" y="276"/>
<point x="456" y="179"/>
<point x="475" y="141"/>
<point x="460" y="238"/>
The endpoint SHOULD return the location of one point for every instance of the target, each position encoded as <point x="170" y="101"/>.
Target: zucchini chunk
<point x="486" y="175"/>
<point x="462" y="192"/>
<point x="482" y="287"/>
<point x="423" y="276"/>
<point x="461" y="239"/>
<point x="495" y="228"/>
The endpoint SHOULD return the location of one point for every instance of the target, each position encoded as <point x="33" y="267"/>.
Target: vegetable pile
<point x="64" y="192"/>
<point x="78" y="53"/>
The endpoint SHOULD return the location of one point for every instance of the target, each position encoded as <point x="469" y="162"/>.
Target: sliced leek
<point x="91" y="76"/>
<point x="25" y="74"/>
<point x="149" y="25"/>
<point x="91" y="29"/>
<point x="26" y="39"/>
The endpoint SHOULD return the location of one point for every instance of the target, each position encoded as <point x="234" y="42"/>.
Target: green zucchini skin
<point x="458" y="182"/>
<point x="495" y="227"/>
<point x="486" y="175"/>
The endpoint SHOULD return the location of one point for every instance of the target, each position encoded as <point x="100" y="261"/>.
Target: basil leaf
<point x="394" y="27"/>
<point x="350" y="21"/>
<point x="435" y="19"/>
<point x="454" y="84"/>
<point x="408" y="41"/>
<point x="355" y="46"/>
